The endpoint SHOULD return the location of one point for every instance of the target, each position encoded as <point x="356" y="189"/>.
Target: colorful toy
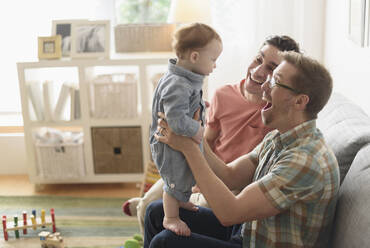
<point x="135" y="242"/>
<point x="51" y="240"/>
<point x="132" y="243"/>
<point x="15" y="226"/>
<point x="139" y="238"/>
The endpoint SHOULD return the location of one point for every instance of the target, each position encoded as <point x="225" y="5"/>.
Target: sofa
<point x="346" y="128"/>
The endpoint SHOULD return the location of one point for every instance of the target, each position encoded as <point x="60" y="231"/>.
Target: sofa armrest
<point x="346" y="128"/>
<point x="352" y="219"/>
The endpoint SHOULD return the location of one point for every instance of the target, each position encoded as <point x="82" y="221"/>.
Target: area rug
<point x="82" y="222"/>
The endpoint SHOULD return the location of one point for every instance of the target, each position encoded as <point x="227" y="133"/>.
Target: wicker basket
<point x="114" y="99"/>
<point x="60" y="161"/>
<point x="143" y="37"/>
<point x="117" y="150"/>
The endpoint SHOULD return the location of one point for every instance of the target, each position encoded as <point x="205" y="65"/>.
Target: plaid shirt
<point x="298" y="173"/>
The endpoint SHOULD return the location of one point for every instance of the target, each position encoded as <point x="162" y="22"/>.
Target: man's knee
<point x="154" y="210"/>
<point x="163" y="239"/>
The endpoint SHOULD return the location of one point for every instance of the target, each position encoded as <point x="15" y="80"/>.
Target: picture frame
<point x="49" y="47"/>
<point x="356" y="21"/>
<point x="90" y="39"/>
<point x="64" y="28"/>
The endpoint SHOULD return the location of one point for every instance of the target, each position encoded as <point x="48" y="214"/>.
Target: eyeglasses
<point x="272" y="83"/>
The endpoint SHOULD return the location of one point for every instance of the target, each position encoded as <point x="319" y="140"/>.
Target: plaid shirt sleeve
<point x="297" y="176"/>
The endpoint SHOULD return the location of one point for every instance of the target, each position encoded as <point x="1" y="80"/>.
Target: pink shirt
<point x="238" y="120"/>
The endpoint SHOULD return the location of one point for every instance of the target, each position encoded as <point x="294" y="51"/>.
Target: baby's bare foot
<point x="176" y="225"/>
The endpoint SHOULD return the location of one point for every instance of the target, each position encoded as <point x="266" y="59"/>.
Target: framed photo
<point x="90" y="39"/>
<point x="64" y="29"/>
<point x="49" y="47"/>
<point x="356" y="27"/>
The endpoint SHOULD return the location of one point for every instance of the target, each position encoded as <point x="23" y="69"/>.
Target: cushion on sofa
<point x="346" y="128"/>
<point x="352" y="220"/>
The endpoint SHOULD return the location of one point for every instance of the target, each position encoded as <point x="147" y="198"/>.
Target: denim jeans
<point x="206" y="230"/>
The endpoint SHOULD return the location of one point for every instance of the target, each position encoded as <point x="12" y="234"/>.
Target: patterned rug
<point x="82" y="222"/>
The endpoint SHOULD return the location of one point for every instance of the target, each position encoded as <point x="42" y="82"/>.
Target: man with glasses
<point x="290" y="180"/>
<point x="234" y="124"/>
<point x="272" y="82"/>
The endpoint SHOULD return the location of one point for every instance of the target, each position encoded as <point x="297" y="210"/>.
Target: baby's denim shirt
<point x="179" y="96"/>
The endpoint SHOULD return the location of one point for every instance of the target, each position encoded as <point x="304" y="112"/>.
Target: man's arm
<point x="235" y="175"/>
<point x="249" y="205"/>
<point x="210" y="136"/>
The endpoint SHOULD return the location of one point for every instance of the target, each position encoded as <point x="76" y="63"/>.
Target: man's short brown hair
<point x="282" y="42"/>
<point x="311" y="79"/>
<point x="193" y="36"/>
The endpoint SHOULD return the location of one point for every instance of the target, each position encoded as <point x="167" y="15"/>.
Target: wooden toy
<point x="24" y="221"/>
<point x="51" y="240"/>
<point x="15" y="226"/>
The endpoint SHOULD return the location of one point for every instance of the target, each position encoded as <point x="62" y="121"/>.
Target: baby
<point x="179" y="96"/>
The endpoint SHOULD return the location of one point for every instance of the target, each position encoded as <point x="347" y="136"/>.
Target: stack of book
<point x="52" y="103"/>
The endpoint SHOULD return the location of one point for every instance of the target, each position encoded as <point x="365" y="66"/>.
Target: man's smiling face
<point x="279" y="110"/>
<point x="263" y="65"/>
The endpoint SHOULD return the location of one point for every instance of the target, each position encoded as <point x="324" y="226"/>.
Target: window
<point x="22" y="21"/>
<point x="23" y="26"/>
<point x="142" y="11"/>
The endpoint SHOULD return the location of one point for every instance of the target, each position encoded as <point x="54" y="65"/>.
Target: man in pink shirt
<point x="233" y="121"/>
<point x="234" y="125"/>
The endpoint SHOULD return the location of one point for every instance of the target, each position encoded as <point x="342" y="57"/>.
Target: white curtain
<point x="244" y="24"/>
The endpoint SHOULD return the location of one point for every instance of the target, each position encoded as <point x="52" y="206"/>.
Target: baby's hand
<point x="199" y="136"/>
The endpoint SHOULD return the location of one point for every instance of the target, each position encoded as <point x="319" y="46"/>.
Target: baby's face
<point x="207" y="57"/>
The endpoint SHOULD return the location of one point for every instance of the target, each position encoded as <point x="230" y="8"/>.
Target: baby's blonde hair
<point x="193" y="36"/>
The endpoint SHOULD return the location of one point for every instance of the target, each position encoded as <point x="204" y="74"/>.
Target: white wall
<point x="348" y="63"/>
<point x="244" y="25"/>
<point x="13" y="154"/>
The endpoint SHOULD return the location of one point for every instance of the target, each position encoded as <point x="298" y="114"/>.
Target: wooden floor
<point x="20" y="185"/>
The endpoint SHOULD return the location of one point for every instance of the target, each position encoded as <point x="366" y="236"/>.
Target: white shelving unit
<point x="81" y="72"/>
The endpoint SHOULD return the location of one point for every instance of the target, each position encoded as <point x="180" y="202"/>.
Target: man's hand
<point x="176" y="142"/>
<point x="196" y="115"/>
<point x="195" y="189"/>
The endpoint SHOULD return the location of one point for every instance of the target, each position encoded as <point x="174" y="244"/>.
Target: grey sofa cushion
<point x="346" y="128"/>
<point x="352" y="221"/>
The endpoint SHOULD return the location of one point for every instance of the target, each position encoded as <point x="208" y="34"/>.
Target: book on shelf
<point x="48" y="97"/>
<point x="34" y="90"/>
<point x="77" y="103"/>
<point x="61" y="112"/>
<point x="75" y="112"/>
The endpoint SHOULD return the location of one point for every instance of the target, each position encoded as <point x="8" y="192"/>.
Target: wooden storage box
<point x="117" y="150"/>
<point x="143" y="37"/>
